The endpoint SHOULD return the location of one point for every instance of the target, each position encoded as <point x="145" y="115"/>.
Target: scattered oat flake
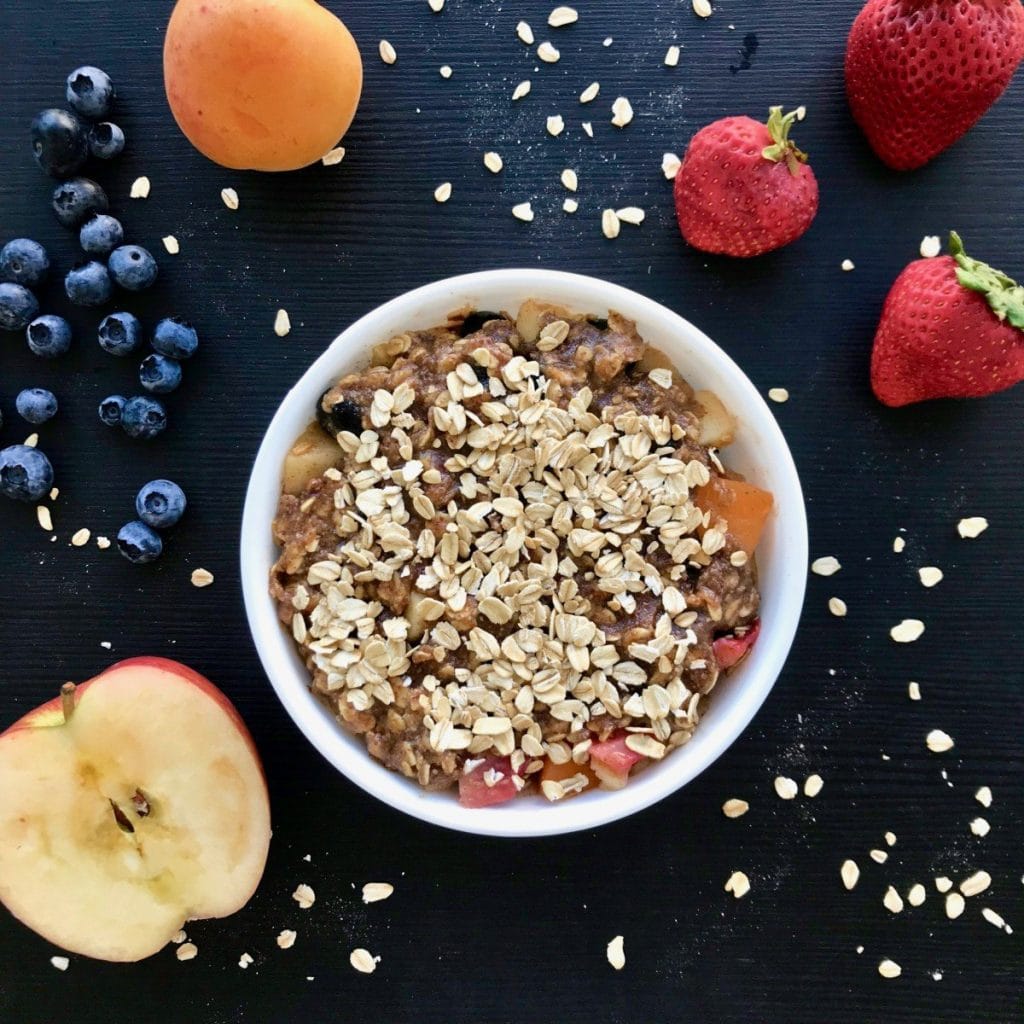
<point x="892" y="901"/>
<point x="972" y="527"/>
<point x="548" y="53"/>
<point x="229" y="197"/>
<point x="938" y="742"/>
<point x="201" y="577"/>
<point x="140" y="188"/>
<point x="333" y="157"/>
<point x="631" y="215"/>
<point x="609" y="224"/>
<point x="738" y="884"/>
<point x="813" y="785"/>
<point x="555" y="125"/>
<point x="525" y="33"/>
<point x="80" y="537"/>
<point x="914" y="691"/>
<point x="304" y="896"/>
<point x="569" y="179"/>
<point x="898" y="545"/>
<point x="907" y="631"/>
<point x="931" y="246"/>
<point x="562" y="16"/>
<point x="929" y="575"/>
<point x="786" y="788"/>
<point x="993" y="917"/>
<point x="975" y="884"/>
<point x="443" y="192"/>
<point x="943" y="884"/>
<point x="980" y="827"/>
<point x="521" y="90"/>
<point x="106" y="645"/>
<point x="54" y="492"/>
<point x="849" y="873"/>
<point x="984" y="796"/>
<point x="363" y="961"/>
<point x="244" y="960"/>
<point x="672" y="56"/>
<point x="622" y="112"/>
<point x="878" y="856"/>
<point x="523" y="211"/>
<point x="590" y="93"/>
<point x="60" y="962"/>
<point x="103" y="543"/>
<point x="436" y="5"/>
<point x="493" y="162"/>
<point x="954" y="905"/>
<point x="662" y="376"/>
<point x="374" y="892"/>
<point x="588" y="128"/>
<point x="917" y="895"/>
<point x="445" y="71"/>
<point x="570" y="205"/>
<point x="286" y="938"/>
<point x="282" y="323"/>
<point x="778" y="394"/>
<point x="43" y="515"/>
<point x="735" y="807"/>
<point x="670" y="164"/>
<point x="837" y="606"/>
<point x="171" y="244"/>
<point x="179" y="937"/>
<point x="890" y="838"/>
<point x="187" y="951"/>
<point x="826" y="566"/>
<point x="31" y="441"/>
<point x="847" y="265"/>
<point x="387" y="52"/>
<point x="887" y="968"/>
<point x="617" y="953"/>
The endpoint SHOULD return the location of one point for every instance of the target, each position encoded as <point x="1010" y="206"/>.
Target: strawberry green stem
<point x="782" y="147"/>
<point x="1002" y="293"/>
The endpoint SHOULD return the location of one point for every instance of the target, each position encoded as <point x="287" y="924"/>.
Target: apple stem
<point x="67" y="700"/>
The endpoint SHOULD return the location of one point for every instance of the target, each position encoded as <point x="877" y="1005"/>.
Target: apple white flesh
<point x="144" y="808"/>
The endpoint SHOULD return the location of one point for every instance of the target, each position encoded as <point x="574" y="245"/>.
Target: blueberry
<point x="101" y="234"/>
<point x="23" y="261"/>
<point x="176" y="338"/>
<point x="343" y="415"/>
<point x="18" y="307"/>
<point x="475" y="321"/>
<point x="159" y="374"/>
<point x="36" y="405"/>
<point x="59" y="142"/>
<point x="106" y="141"/>
<point x="110" y="410"/>
<point x="120" y="334"/>
<point x="160" y="503"/>
<point x="143" y="417"/>
<point x="77" y="200"/>
<point x="132" y="267"/>
<point x="48" y="336"/>
<point x="88" y="284"/>
<point x="139" y="543"/>
<point x="25" y="473"/>
<point x="91" y="92"/>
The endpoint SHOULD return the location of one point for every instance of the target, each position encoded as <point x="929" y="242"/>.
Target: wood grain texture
<point x="482" y="930"/>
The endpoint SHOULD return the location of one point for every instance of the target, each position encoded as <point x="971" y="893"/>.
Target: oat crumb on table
<point x="917" y="895"/>
<point x="828" y="565"/>
<point x="813" y="785"/>
<point x="972" y="527"/>
<point x="616" y="953"/>
<point x="938" y="742"/>
<point x="548" y="53"/>
<point x="333" y="157"/>
<point x="738" y="884"/>
<point x="980" y="827"/>
<point x="889" y="969"/>
<point x="785" y="788"/>
<point x="735" y="808"/>
<point x="907" y="631"/>
<point x="984" y="796"/>
<point x="387" y="52"/>
<point x="878" y="856"/>
<point x="201" y="577"/>
<point x="975" y="884"/>
<point x="282" y="323"/>
<point x="778" y="395"/>
<point x="244" y="960"/>
<point x="103" y="543"/>
<point x="849" y="873"/>
<point x="363" y="961"/>
<point x="374" y="892"/>
<point x="187" y="951"/>
<point x="914" y="690"/>
<point x="229" y="197"/>
<point x="590" y="93"/>
<point x="80" y="537"/>
<point x="171" y="244"/>
<point x="670" y="164"/>
<point x="140" y="188"/>
<point x="179" y="937"/>
<point x="286" y="938"/>
<point x="672" y="56"/>
<point x="304" y="896"/>
<point x="60" y="962"/>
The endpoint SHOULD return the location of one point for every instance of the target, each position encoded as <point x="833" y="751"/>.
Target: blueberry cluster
<point x="159" y="505"/>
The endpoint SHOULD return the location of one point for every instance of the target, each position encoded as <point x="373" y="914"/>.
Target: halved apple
<point x="127" y="807"/>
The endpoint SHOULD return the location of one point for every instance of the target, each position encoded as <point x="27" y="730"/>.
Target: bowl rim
<point x="274" y="644"/>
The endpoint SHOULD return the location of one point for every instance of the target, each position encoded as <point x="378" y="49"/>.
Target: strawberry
<point x="744" y="189"/>
<point x="919" y="73"/>
<point x="951" y="327"/>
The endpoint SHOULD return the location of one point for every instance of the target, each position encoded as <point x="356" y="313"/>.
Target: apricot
<point x="743" y="506"/>
<point x="267" y="85"/>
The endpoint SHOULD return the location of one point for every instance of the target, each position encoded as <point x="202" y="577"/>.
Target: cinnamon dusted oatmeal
<point x="506" y="557"/>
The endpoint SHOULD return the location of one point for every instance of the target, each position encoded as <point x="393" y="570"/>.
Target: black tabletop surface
<point x="492" y="930"/>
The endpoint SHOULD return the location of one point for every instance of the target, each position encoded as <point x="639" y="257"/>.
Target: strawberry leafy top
<point x="1004" y="296"/>
<point x="782" y="147"/>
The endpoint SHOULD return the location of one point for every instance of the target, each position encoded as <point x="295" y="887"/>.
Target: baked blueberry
<point x="110" y="410"/>
<point x="160" y="503"/>
<point x="143" y="417"/>
<point x="599" y="322"/>
<point x="176" y="338"/>
<point x="474" y="321"/>
<point x="139" y="543"/>
<point x="481" y="373"/>
<point x="106" y="140"/>
<point x="101" y="235"/>
<point x="120" y="334"/>
<point x="88" y="284"/>
<point x="23" y="261"/>
<point x="159" y="374"/>
<point x="36" y="405"/>
<point x="48" y="336"/>
<point x="59" y="141"/>
<point x="18" y="307"/>
<point x="343" y="415"/>
<point x="25" y="473"/>
<point x="132" y="267"/>
<point x="77" y="200"/>
<point x="90" y="91"/>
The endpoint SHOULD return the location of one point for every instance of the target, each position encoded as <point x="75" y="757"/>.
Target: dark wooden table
<point x="483" y="930"/>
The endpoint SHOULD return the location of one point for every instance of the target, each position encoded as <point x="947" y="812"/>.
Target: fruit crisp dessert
<point x="510" y="555"/>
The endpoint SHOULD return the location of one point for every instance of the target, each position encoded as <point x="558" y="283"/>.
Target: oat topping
<point x="282" y="323"/>
<point x="363" y="961"/>
<point x="590" y="93"/>
<point x="849" y="873"/>
<point x="622" y="112"/>
<point x="938" y="742"/>
<point x="374" y="892"/>
<point x="907" y="631"/>
<point x="672" y="56"/>
<point x="304" y="896"/>
<point x="493" y="162"/>
<point x="286" y="938"/>
<point x="616" y="953"/>
<point x="826" y="566"/>
<point x="140" y="188"/>
<point x="735" y="808"/>
<point x="521" y="90"/>
<point x="548" y="53"/>
<point x="387" y="52"/>
<point x="562" y="16"/>
<point x="201" y="577"/>
<point x="887" y="968"/>
<point x="333" y="157"/>
<point x="670" y="165"/>
<point x="187" y="951"/>
<point x="976" y="883"/>
<point x="972" y="527"/>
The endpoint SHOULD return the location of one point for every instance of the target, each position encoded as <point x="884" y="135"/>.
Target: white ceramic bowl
<point x="760" y="453"/>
